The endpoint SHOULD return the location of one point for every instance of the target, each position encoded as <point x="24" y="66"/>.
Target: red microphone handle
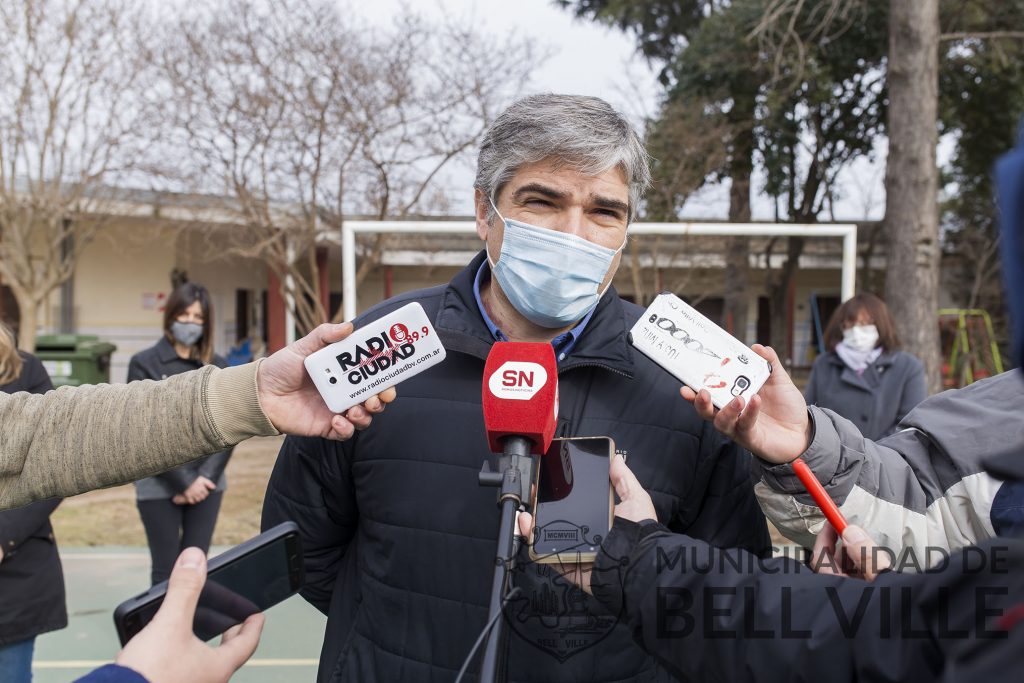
<point x="820" y="496"/>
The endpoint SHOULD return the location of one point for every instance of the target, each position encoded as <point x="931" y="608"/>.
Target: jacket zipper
<point x="594" y="365"/>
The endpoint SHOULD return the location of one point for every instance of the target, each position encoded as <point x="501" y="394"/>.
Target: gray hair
<point x="585" y="133"/>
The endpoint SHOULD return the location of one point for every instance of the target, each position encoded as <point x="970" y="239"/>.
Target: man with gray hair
<point x="399" y="538"/>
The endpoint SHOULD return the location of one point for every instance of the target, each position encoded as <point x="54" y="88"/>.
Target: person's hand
<point x="197" y="492"/>
<point x="167" y="651"/>
<point x="774" y="426"/>
<point x="577" y="573"/>
<point x="291" y="401"/>
<point x="858" y="556"/>
<point x="634" y="502"/>
<point x="634" y="505"/>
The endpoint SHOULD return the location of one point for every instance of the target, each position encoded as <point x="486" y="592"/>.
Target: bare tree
<point x="912" y="178"/>
<point x="301" y="116"/>
<point x="70" y="112"/>
<point x="788" y="27"/>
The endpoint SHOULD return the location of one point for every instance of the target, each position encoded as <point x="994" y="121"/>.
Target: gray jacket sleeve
<point x="76" y="439"/>
<point x="919" y="489"/>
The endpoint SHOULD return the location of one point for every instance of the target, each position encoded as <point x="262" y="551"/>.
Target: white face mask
<point x="861" y="337"/>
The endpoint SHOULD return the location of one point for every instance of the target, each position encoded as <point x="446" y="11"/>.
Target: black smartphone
<point x="246" y="579"/>
<point x="574" y="500"/>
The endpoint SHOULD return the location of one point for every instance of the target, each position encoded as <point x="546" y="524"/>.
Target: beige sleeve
<point x="77" y="439"/>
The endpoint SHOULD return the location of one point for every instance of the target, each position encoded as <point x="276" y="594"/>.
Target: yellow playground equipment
<point x="969" y="346"/>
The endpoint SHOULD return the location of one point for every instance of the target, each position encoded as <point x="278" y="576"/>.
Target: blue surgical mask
<point x="186" y="334"/>
<point x="550" y="277"/>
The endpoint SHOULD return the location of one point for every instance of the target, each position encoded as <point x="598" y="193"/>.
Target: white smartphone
<point x="698" y="352"/>
<point x="378" y="355"/>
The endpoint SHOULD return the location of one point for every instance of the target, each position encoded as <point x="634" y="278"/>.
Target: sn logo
<point x="517" y="380"/>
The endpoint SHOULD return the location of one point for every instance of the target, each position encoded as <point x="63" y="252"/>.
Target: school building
<point x="124" y="276"/>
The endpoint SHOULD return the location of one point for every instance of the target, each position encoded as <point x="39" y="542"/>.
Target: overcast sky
<point x="589" y="59"/>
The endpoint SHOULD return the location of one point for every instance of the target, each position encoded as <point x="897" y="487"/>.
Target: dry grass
<point x="109" y="516"/>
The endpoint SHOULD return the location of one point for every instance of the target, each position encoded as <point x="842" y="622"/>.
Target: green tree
<point x="981" y="87"/>
<point x="704" y="130"/>
<point x="802" y="116"/>
<point x="915" y="68"/>
<point x="823" y="72"/>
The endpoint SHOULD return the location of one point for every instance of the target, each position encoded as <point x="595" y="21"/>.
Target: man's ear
<point x="483" y="209"/>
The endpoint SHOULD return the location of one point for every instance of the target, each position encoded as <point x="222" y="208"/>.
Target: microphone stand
<point x="514" y="478"/>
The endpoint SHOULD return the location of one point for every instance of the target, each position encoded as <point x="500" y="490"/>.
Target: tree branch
<point x="981" y="35"/>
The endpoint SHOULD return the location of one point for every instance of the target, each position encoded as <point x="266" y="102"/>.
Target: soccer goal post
<point x="846" y="232"/>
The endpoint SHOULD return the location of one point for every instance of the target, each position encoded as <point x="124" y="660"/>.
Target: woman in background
<point x="31" y="579"/>
<point x="864" y="377"/>
<point x="179" y="507"/>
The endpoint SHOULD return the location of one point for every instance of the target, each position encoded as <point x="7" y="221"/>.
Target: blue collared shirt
<point x="563" y="343"/>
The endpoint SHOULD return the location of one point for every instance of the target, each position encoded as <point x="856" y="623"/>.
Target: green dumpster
<point x="75" y="359"/>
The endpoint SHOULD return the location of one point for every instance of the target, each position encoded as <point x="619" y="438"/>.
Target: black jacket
<point x="724" y="615"/>
<point x="31" y="579"/>
<point x="399" y="537"/>
<point x="161" y="361"/>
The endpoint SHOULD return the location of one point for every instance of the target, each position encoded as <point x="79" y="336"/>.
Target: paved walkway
<point x="98" y="579"/>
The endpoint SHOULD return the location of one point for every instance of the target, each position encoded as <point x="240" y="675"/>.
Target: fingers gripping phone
<point x="249" y="578"/>
<point x="698" y="352"/>
<point x="573" y="500"/>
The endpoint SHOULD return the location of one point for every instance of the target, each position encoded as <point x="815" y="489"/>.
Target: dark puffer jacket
<point x="399" y="537"/>
<point x="722" y="615"/>
<point x="31" y="579"/>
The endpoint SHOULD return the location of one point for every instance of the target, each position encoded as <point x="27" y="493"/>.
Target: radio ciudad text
<point x="380" y="380"/>
<point x="379" y="352"/>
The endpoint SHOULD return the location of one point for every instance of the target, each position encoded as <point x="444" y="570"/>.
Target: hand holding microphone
<point x="774" y="425"/>
<point x="858" y="557"/>
<point x="291" y="401"/>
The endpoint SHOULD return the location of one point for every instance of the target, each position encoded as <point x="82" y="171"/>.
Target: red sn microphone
<point x="520" y="402"/>
<point x="520" y="395"/>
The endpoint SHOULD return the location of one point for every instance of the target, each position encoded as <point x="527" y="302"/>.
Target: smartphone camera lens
<point x="333" y="380"/>
<point x="740" y="385"/>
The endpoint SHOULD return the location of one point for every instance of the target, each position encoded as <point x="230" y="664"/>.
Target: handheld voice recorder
<point x="378" y="355"/>
<point x="698" y="352"/>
